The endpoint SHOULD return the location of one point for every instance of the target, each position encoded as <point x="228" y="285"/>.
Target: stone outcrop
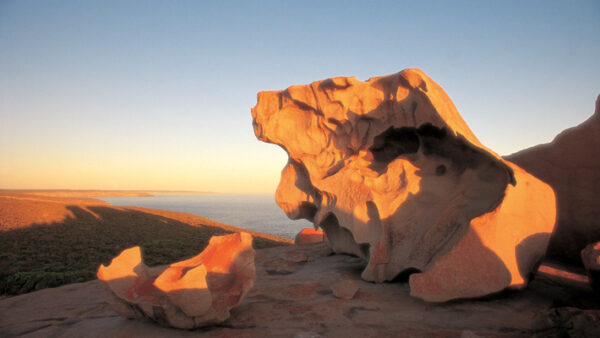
<point x="301" y="303"/>
<point x="195" y="292"/>
<point x="391" y="172"/>
<point x="570" y="164"/>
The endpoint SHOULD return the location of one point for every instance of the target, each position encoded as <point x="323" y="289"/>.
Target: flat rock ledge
<point x="298" y="302"/>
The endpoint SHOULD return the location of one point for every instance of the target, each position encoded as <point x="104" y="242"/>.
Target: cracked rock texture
<point x="570" y="164"/>
<point x="391" y="172"/>
<point x="188" y="294"/>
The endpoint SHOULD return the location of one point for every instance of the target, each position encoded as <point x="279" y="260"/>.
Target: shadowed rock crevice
<point x="404" y="275"/>
<point x="433" y="142"/>
<point x="394" y="142"/>
<point x="341" y="239"/>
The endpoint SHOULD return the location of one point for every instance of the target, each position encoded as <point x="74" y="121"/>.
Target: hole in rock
<point x="307" y="211"/>
<point x="431" y="141"/>
<point x="364" y="248"/>
<point x="440" y="170"/>
<point x="341" y="239"/>
<point x="438" y="142"/>
<point x="395" y="142"/>
<point x="403" y="276"/>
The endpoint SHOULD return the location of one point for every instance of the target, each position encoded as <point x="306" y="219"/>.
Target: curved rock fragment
<point x="195" y="292"/>
<point x="391" y="172"/>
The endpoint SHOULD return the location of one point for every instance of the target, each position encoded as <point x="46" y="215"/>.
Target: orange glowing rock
<point x="191" y="293"/>
<point x="570" y="164"/>
<point x="310" y="236"/>
<point x="392" y="173"/>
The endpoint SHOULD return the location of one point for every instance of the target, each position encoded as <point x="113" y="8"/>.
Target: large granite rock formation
<point x="570" y="164"/>
<point x="392" y="173"/>
<point x="187" y="294"/>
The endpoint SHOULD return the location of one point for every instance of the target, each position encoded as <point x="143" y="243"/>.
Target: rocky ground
<point x="292" y="297"/>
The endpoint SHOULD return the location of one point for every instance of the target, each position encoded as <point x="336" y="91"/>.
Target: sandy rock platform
<point x="292" y="297"/>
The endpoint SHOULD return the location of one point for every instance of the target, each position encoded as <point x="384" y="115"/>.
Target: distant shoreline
<point x="51" y="240"/>
<point x="101" y="193"/>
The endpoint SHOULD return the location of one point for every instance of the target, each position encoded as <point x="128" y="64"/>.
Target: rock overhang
<point x="391" y="172"/>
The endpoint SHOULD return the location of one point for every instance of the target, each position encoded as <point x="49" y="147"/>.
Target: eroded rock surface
<point x="391" y="172"/>
<point x="570" y="164"/>
<point x="302" y="304"/>
<point x="187" y="294"/>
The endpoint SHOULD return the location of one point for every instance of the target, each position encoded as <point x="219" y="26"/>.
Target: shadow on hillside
<point x="48" y="255"/>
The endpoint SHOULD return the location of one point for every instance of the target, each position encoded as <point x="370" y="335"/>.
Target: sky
<point x="156" y="95"/>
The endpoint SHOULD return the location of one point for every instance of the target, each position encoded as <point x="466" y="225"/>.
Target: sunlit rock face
<point x="570" y="164"/>
<point x="310" y="236"/>
<point x="187" y="294"/>
<point x="392" y="173"/>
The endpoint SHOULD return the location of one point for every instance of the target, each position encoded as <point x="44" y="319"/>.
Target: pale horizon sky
<point x="156" y="95"/>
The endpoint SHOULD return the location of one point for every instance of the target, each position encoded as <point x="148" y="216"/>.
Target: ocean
<point x="254" y="212"/>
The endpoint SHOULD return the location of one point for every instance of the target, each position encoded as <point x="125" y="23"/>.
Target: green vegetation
<point x="44" y="256"/>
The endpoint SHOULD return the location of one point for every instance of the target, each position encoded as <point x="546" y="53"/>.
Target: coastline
<point x="48" y="241"/>
<point x="101" y="193"/>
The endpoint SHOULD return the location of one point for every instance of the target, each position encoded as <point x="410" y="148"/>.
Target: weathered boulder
<point x="391" y="172"/>
<point x="188" y="294"/>
<point x="309" y="236"/>
<point x="570" y="164"/>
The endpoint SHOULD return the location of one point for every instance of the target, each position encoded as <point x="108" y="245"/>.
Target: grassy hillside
<point x="69" y="250"/>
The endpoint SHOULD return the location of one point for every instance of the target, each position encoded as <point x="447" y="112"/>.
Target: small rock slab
<point x="310" y="236"/>
<point x="280" y="266"/>
<point x="297" y="257"/>
<point x="345" y="289"/>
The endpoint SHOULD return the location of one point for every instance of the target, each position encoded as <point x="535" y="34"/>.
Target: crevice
<point x="341" y="239"/>
<point x="307" y="211"/>
<point x="394" y="142"/>
<point x="404" y="275"/>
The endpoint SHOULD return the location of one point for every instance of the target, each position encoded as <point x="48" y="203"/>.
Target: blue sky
<point x="157" y="94"/>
